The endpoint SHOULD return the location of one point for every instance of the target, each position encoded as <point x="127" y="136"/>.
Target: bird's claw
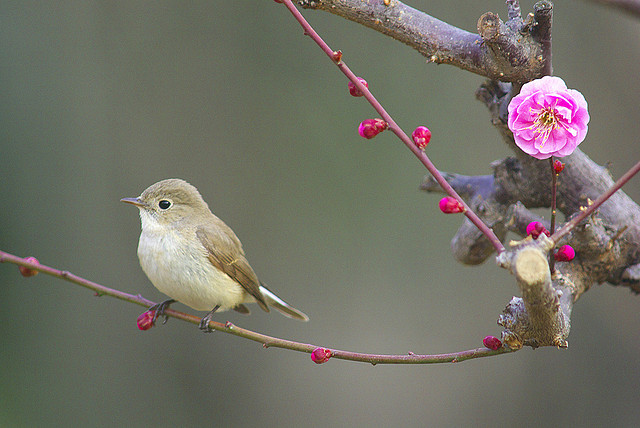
<point x="159" y="309"/>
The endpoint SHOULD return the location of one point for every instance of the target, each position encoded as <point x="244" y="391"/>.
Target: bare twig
<point x="596" y="204"/>
<point x="266" y="341"/>
<point x="393" y="126"/>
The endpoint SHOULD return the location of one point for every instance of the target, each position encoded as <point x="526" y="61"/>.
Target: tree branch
<point x="266" y="341"/>
<point x="541" y="317"/>
<point x="336" y="57"/>
<point x="502" y="51"/>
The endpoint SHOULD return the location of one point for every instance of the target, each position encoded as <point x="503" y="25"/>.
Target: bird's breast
<point x="177" y="265"/>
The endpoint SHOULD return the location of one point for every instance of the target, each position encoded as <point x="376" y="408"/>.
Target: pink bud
<point x="558" y="166"/>
<point x="369" y="128"/>
<point x="565" y="254"/>
<point x="450" y="205"/>
<point x="421" y="136"/>
<point x="353" y="89"/>
<point x="492" y="343"/>
<point x="535" y="228"/>
<point x="145" y="320"/>
<point x="320" y="355"/>
<point x="25" y="271"/>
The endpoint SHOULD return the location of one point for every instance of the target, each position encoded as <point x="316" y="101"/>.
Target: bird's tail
<point x="281" y="306"/>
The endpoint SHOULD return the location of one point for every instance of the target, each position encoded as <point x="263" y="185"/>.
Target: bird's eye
<point x="164" y="204"/>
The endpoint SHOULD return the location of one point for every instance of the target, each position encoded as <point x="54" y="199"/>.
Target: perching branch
<point x="266" y="341"/>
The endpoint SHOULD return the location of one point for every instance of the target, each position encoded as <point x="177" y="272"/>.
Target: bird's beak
<point x="134" y="201"/>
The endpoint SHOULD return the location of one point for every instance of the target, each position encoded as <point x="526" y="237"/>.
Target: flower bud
<point x="25" y="271"/>
<point x="421" y="137"/>
<point x="353" y="89"/>
<point x="320" y="355"/>
<point x="566" y="253"/>
<point x="558" y="166"/>
<point x="145" y="320"/>
<point x="369" y="128"/>
<point x="492" y="343"/>
<point x="450" y="205"/>
<point x="535" y="228"/>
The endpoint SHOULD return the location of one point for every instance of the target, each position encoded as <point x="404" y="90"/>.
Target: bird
<point x="193" y="257"/>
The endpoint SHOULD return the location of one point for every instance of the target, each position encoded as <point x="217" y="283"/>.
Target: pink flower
<point x="421" y="136"/>
<point x="450" y="205"/>
<point x="369" y="128"/>
<point x="547" y="119"/>
<point x="566" y="253"/>
<point x="320" y="355"/>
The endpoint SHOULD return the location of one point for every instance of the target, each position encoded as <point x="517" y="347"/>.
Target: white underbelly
<point x="184" y="273"/>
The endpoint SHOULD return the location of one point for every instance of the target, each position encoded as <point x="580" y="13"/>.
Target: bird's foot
<point x="204" y="322"/>
<point x="159" y="309"/>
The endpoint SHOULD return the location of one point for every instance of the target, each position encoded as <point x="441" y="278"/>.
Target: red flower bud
<point x="450" y="205"/>
<point x="421" y="136"/>
<point x="25" y="271"/>
<point x="337" y="56"/>
<point x="145" y="320"/>
<point x="320" y="355"/>
<point x="535" y="228"/>
<point x="369" y="128"/>
<point x="492" y="343"/>
<point x="353" y="89"/>
<point x="565" y="254"/>
<point x="558" y="166"/>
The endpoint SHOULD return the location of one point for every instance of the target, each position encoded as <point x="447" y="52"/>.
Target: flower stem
<point x="554" y="188"/>
<point x="393" y="126"/>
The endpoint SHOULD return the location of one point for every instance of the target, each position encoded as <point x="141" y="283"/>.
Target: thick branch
<point x="543" y="321"/>
<point x="503" y="51"/>
<point x="606" y="239"/>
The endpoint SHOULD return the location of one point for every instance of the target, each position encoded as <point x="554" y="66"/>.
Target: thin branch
<point x="596" y="204"/>
<point x="554" y="189"/>
<point x="266" y="341"/>
<point x="393" y="126"/>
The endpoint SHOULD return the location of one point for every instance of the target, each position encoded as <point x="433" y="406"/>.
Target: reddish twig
<point x="266" y="341"/>
<point x="596" y="204"/>
<point x="554" y="190"/>
<point x="336" y="57"/>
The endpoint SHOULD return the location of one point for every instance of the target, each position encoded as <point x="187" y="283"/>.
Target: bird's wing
<point x="226" y="254"/>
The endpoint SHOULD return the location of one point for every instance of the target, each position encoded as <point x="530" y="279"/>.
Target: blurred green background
<point x="101" y="99"/>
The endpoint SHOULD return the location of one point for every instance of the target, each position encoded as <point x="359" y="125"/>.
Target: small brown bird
<point x="193" y="257"/>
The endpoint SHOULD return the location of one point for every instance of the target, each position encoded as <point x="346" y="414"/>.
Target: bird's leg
<point x="204" y="322"/>
<point x="159" y="309"/>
